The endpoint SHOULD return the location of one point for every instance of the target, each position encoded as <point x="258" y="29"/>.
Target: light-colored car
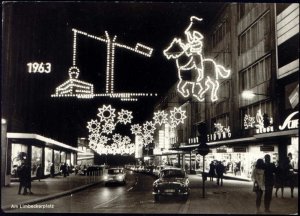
<point x="172" y="181"/>
<point x="115" y="175"/>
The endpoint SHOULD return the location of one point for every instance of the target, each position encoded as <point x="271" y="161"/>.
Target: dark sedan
<point x="172" y="181"/>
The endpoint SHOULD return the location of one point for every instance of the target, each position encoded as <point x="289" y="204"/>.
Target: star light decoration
<point x="101" y="137"/>
<point x="177" y="116"/>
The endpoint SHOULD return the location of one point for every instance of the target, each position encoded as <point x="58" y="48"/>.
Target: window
<point x="255" y="33"/>
<point x="256" y="74"/>
<point x="36" y="159"/>
<point x="265" y="107"/>
<point x="18" y="153"/>
<point x="220" y="32"/>
<point x="48" y="160"/>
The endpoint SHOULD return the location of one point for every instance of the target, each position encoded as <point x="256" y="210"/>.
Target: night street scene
<point x="150" y="108"/>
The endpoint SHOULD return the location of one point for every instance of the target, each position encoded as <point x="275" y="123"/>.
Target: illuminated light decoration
<point x="177" y="116"/>
<point x="248" y="121"/>
<point x="160" y="117"/>
<point x="195" y="65"/>
<point x="259" y="119"/>
<point x="108" y="128"/>
<point x="106" y="113"/>
<point x="103" y="140"/>
<point x="74" y="87"/>
<point x="219" y="127"/>
<point x="117" y="138"/>
<point x="93" y="126"/>
<point x="136" y="129"/>
<point x="126" y="140"/>
<point x="148" y="138"/>
<point x="148" y="127"/>
<point x="110" y="62"/>
<point x="116" y="143"/>
<point x="93" y="138"/>
<point x="125" y="116"/>
<point x="289" y="123"/>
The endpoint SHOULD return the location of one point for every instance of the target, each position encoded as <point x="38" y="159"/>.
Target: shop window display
<point x="19" y="153"/>
<point x="56" y="161"/>
<point x="48" y="160"/>
<point x="36" y="159"/>
<point x="63" y="157"/>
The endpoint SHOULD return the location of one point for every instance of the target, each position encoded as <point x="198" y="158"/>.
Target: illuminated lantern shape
<point x="136" y="129"/>
<point x="125" y="116"/>
<point x="192" y="68"/>
<point x="93" y="126"/>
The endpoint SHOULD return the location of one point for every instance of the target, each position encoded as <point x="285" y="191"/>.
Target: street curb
<point x="53" y="196"/>
<point x="228" y="177"/>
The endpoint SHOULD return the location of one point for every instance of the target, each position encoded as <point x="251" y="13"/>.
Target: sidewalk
<point x="46" y="189"/>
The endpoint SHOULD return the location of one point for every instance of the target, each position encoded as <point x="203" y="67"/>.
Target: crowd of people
<point x="266" y="176"/>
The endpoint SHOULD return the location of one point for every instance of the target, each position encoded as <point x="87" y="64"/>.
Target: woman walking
<point x="258" y="179"/>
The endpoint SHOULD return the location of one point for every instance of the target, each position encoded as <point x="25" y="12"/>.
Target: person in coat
<point x="270" y="171"/>
<point x="258" y="177"/>
<point x="220" y="169"/>
<point x="211" y="171"/>
<point x="39" y="172"/>
<point x="22" y="178"/>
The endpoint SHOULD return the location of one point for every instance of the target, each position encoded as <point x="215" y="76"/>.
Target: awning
<point x="293" y="132"/>
<point x="40" y="138"/>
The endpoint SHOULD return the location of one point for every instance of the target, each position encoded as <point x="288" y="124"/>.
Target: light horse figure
<point x="193" y="69"/>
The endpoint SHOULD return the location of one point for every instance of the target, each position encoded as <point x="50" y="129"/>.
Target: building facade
<point x="258" y="42"/>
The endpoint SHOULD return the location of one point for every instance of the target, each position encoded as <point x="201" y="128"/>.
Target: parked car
<point x="172" y="182"/>
<point x="115" y="175"/>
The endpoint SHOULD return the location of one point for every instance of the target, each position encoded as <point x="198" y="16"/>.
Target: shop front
<point x="37" y="151"/>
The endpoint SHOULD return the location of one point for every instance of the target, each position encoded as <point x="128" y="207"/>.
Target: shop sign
<point x="220" y="133"/>
<point x="266" y="148"/>
<point x="239" y="149"/>
<point x="290" y="123"/>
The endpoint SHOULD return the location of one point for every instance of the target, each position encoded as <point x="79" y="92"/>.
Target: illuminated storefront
<point x="37" y="151"/>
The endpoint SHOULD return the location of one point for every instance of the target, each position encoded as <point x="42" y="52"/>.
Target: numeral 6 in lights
<point x="35" y="67"/>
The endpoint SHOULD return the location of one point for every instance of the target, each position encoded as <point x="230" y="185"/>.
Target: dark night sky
<point x="41" y="32"/>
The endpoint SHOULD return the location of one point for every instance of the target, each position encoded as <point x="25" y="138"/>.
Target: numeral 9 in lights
<point x="35" y="67"/>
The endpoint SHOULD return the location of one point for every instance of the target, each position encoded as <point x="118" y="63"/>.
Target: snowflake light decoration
<point x="125" y="116"/>
<point x="160" y="117"/>
<point x="248" y="121"/>
<point x="148" y="127"/>
<point x="177" y="116"/>
<point x="93" y="126"/>
<point x="106" y="113"/>
<point x="136" y="129"/>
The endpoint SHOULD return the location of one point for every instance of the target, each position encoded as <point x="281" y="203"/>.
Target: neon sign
<point x="289" y="123"/>
<point x="193" y="72"/>
<point x="85" y="89"/>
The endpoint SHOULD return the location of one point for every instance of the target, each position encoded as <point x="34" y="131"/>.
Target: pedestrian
<point x="64" y="169"/>
<point x="211" y="171"/>
<point x="27" y="179"/>
<point x="220" y="169"/>
<point x="52" y="170"/>
<point x="270" y="170"/>
<point x="39" y="172"/>
<point x="21" y="173"/>
<point x="257" y="177"/>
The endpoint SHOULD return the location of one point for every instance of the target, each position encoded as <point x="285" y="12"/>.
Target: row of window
<point x="220" y="32"/>
<point x="256" y="74"/>
<point x="244" y="9"/>
<point x="254" y="34"/>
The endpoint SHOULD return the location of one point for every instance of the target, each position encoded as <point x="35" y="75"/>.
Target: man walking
<point x="270" y="170"/>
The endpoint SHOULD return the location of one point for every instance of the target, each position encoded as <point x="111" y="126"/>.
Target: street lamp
<point x="247" y="94"/>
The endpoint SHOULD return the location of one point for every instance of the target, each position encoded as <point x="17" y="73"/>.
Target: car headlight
<point x="120" y="177"/>
<point x="105" y="177"/>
